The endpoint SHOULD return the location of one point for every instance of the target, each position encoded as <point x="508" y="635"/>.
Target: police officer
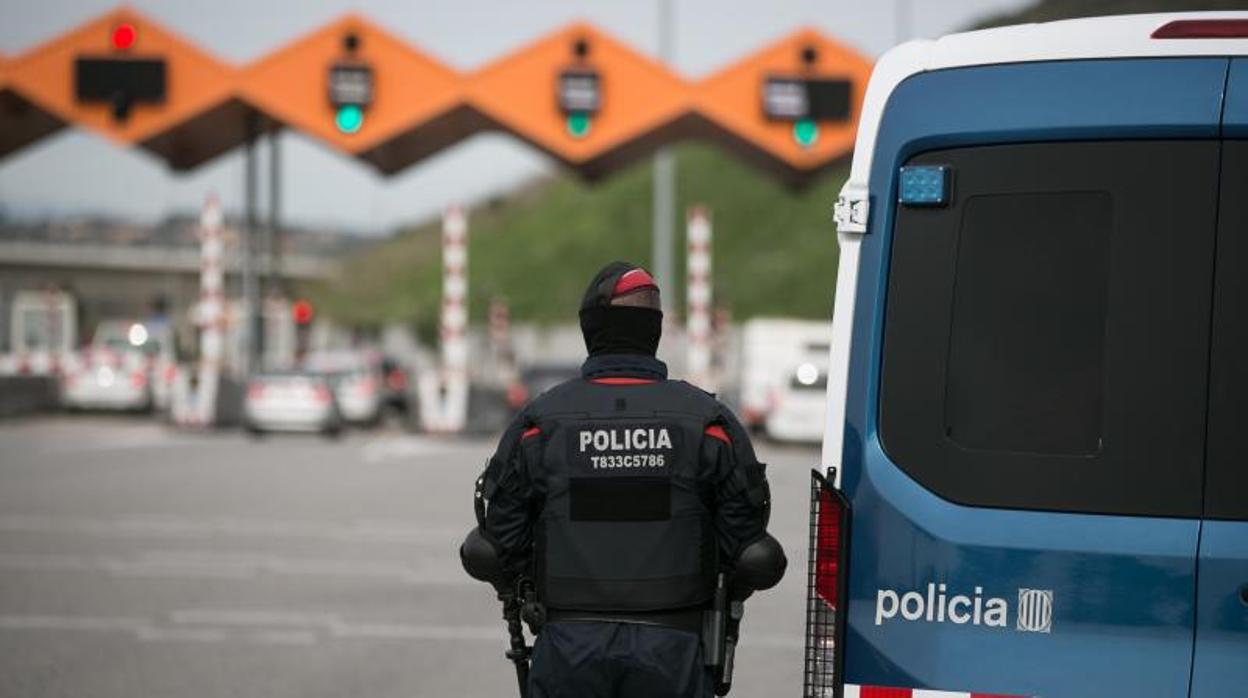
<point x="627" y="498"/>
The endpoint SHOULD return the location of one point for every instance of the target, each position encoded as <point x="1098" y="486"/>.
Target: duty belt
<point x="686" y="619"/>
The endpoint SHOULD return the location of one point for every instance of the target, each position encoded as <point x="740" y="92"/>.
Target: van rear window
<point x="1046" y="334"/>
<point x="1027" y="342"/>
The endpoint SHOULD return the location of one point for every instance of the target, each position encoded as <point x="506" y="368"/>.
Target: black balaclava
<point x="617" y="329"/>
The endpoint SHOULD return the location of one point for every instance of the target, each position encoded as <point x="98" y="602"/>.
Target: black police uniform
<point x="623" y="494"/>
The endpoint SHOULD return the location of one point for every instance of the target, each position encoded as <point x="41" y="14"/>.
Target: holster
<point x="720" y="630"/>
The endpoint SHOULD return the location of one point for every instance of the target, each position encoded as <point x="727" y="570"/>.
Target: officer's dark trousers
<point x="617" y="660"/>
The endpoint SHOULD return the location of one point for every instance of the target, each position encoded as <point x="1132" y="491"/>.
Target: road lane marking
<point x="262" y="618"/>
<point x="42" y="622"/>
<point x="178" y="564"/>
<point x="267" y="627"/>
<point x="47" y="562"/>
<point x="369" y="531"/>
<point x="410" y="447"/>
<point x="153" y="634"/>
<point x="290" y="638"/>
<point x="291" y="628"/>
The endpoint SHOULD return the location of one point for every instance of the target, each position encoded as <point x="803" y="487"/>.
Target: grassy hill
<point x="774" y="251"/>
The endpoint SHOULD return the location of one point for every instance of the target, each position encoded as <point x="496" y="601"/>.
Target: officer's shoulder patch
<point x="716" y="431"/>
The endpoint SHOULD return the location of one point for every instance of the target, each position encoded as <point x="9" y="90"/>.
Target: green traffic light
<point x="349" y="119"/>
<point x="805" y="132"/>
<point x="578" y="124"/>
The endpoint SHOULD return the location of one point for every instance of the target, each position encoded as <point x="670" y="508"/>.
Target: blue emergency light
<point x="924" y="185"/>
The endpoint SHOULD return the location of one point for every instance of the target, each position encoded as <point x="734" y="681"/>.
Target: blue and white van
<point x="1038" y="385"/>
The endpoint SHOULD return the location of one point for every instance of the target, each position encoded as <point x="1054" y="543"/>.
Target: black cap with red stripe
<point x="620" y="312"/>
<point x="614" y="281"/>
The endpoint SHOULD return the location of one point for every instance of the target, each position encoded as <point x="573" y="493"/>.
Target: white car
<point x="290" y="401"/>
<point x="359" y="395"/>
<point x="356" y="380"/>
<point x="770" y="349"/>
<point x="102" y="379"/>
<point x="799" y="405"/>
<point x="153" y="341"/>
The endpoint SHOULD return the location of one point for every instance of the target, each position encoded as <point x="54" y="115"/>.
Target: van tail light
<point x="139" y="379"/>
<point x="255" y="390"/>
<point x="1203" y="29"/>
<point x="823" y="675"/>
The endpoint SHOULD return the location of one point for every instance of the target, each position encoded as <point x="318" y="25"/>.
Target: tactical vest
<point x="626" y="524"/>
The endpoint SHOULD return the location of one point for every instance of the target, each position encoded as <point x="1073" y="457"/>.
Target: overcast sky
<point x="76" y="172"/>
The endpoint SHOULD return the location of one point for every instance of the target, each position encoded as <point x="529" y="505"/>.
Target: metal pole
<point x="247" y="247"/>
<point x="664" y="193"/>
<point x="276" y="287"/>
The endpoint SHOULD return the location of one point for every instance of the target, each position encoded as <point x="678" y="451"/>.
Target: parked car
<point x="359" y="394"/>
<point x="770" y="349"/>
<point x="291" y="401"/>
<point x="395" y="379"/>
<point x="103" y="379"/>
<point x="799" y="405"/>
<point x="356" y="379"/>
<point x="151" y="341"/>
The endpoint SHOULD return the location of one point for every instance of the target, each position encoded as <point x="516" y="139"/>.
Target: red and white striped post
<point x="444" y="394"/>
<point x="454" y="293"/>
<point x="698" y="337"/>
<point x="56" y="326"/>
<point x="199" y="408"/>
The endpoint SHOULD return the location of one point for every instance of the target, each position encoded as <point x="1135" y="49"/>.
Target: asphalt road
<point x="139" y="561"/>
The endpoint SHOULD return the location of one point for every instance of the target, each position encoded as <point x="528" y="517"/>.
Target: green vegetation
<point x="538" y="247"/>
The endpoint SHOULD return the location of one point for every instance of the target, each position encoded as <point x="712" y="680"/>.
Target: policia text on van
<point x="624" y="518"/>
<point x="1039" y="373"/>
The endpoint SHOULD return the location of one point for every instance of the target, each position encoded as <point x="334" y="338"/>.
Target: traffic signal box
<point x="589" y="101"/>
<point x="136" y="83"/>
<point x="586" y="99"/>
<point x="792" y="107"/>
<point x="363" y="92"/>
<point x="21" y="122"/>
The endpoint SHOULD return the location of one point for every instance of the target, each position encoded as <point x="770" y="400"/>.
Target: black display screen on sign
<point x="580" y="92"/>
<point x="130" y="80"/>
<point x="795" y="98"/>
<point x="350" y="84"/>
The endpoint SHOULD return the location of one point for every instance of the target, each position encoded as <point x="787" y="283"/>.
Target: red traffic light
<point x="302" y="312"/>
<point x="124" y="36"/>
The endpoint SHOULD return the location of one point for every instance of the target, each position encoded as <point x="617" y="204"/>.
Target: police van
<point x="1038" y="389"/>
